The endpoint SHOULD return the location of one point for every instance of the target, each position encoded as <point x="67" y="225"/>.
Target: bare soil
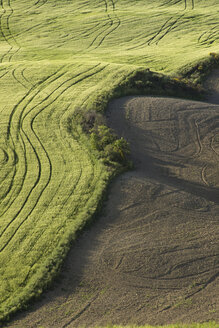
<point x="152" y="256"/>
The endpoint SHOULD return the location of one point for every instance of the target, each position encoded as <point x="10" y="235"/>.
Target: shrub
<point x="111" y="148"/>
<point x="103" y="139"/>
<point x="87" y="119"/>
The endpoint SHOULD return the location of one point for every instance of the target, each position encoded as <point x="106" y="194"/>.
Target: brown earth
<point x="152" y="257"/>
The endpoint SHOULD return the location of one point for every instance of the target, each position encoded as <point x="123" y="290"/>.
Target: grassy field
<point x="56" y="57"/>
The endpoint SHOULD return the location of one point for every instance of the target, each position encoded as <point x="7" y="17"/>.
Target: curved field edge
<point x="138" y="81"/>
<point x="101" y="82"/>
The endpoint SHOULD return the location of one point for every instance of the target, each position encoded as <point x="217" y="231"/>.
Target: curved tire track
<point x="113" y="21"/>
<point x="42" y="147"/>
<point x="6" y="31"/>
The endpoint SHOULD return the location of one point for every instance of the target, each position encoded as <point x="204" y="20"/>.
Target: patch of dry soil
<point x="152" y="257"/>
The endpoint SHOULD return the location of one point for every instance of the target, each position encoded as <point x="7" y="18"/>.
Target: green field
<point x="55" y="57"/>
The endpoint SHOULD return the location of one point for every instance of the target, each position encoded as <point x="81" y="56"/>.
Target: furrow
<point x="203" y="286"/>
<point x="212" y="147"/>
<point x="81" y="312"/>
<point x="198" y="138"/>
<point x="203" y="176"/>
<point x="181" y="265"/>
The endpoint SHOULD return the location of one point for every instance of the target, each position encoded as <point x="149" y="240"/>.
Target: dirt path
<point x="152" y="257"/>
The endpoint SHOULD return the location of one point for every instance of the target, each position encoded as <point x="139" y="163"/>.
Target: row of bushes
<point x="145" y="82"/>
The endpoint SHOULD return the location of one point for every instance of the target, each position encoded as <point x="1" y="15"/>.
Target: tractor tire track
<point x="21" y="185"/>
<point x="60" y="183"/>
<point x="4" y="74"/>
<point x="77" y="137"/>
<point x="8" y="202"/>
<point x="9" y="135"/>
<point x="78" y="179"/>
<point x="6" y="31"/>
<point x="212" y="147"/>
<point x="27" y="30"/>
<point x="38" y="4"/>
<point x="164" y="30"/>
<point x="25" y="79"/>
<point x="109" y="32"/>
<point x="210" y="36"/>
<point x="7" y="174"/>
<point x="1" y="30"/>
<point x="185" y="119"/>
<point x="118" y="23"/>
<point x="192" y="4"/>
<point x="17" y="79"/>
<point x="88" y="34"/>
<point x="198" y="138"/>
<point x="114" y="23"/>
<point x="110" y="22"/>
<point x="78" y="315"/>
<point x="159" y="31"/>
<point x="203" y="175"/>
<point x="38" y="159"/>
<point x="212" y="279"/>
<point x="169" y="2"/>
<point x="12" y="36"/>
<point x="73" y="189"/>
<point x="11" y="201"/>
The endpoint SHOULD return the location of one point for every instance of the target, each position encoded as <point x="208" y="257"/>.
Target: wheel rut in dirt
<point x="152" y="257"/>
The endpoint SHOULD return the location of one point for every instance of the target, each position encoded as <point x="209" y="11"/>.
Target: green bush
<point x="87" y="119"/>
<point x="111" y="148"/>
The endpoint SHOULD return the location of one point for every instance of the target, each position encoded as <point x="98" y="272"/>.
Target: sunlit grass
<point x="58" y="56"/>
